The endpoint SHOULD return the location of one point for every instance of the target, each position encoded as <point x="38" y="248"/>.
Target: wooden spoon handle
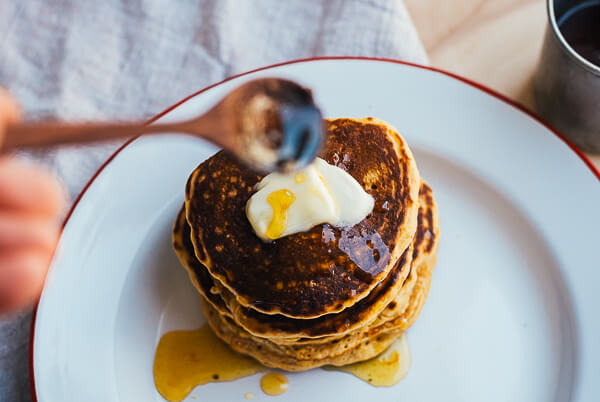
<point x="37" y="135"/>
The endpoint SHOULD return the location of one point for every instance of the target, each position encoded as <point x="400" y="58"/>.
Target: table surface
<point x="494" y="42"/>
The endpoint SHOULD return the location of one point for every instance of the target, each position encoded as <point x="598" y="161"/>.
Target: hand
<point x="31" y="203"/>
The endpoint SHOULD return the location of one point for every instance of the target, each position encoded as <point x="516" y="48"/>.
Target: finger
<point x="22" y="274"/>
<point x="19" y="231"/>
<point x="9" y="111"/>
<point x="27" y="188"/>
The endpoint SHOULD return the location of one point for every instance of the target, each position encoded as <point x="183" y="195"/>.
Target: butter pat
<point x="291" y="203"/>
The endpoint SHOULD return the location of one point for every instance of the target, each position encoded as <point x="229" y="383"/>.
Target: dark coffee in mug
<point x="580" y="27"/>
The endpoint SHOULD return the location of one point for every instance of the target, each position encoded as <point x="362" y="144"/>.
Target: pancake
<point x="326" y="269"/>
<point x="365" y="311"/>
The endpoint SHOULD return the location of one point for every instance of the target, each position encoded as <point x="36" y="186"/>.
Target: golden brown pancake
<point x="326" y="296"/>
<point x="323" y="270"/>
<point x="395" y="319"/>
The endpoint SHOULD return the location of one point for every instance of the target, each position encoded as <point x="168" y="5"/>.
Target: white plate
<point x="512" y="314"/>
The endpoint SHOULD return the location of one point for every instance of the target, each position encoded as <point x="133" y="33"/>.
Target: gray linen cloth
<point x="123" y="59"/>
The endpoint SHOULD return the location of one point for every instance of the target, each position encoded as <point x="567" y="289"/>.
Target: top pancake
<point x="325" y="269"/>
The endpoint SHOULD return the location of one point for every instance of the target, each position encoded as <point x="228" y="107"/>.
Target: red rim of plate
<point x="472" y="83"/>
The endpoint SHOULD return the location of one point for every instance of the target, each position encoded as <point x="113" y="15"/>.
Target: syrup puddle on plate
<point x="385" y="370"/>
<point x="186" y="359"/>
<point x="274" y="383"/>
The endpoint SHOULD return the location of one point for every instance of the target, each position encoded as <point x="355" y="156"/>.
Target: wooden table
<point x="494" y="42"/>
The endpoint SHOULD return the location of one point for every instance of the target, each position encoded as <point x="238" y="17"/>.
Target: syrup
<point x="280" y="201"/>
<point x="186" y="359"/>
<point x="274" y="384"/>
<point x="385" y="370"/>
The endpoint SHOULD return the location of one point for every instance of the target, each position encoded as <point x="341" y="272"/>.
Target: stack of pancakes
<point x="328" y="296"/>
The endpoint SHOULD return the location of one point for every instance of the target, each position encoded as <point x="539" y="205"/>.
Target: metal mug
<point x="567" y="86"/>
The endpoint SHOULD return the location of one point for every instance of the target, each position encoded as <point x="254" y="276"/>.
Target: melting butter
<point x="274" y="383"/>
<point x="321" y="193"/>
<point x="385" y="370"/>
<point x="186" y="359"/>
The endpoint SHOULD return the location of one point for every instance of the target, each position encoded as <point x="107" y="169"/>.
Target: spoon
<point x="268" y="124"/>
